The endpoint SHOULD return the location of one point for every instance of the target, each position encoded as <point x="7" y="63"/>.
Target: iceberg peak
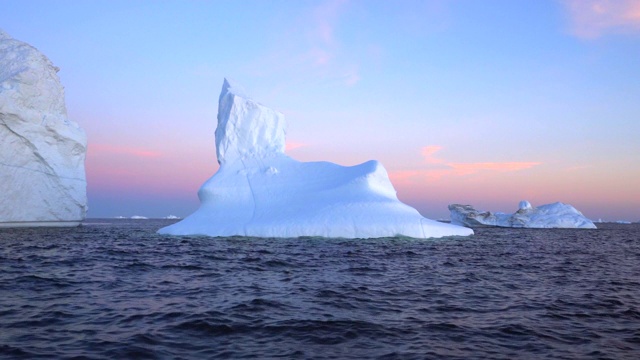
<point x="229" y="86"/>
<point x="524" y="205"/>
<point x="246" y="129"/>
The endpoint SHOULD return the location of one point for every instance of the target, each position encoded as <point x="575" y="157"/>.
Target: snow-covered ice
<point x="42" y="152"/>
<point x="555" y="215"/>
<point x="260" y="191"/>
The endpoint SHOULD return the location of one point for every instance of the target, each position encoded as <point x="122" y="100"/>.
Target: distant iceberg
<point x="138" y="217"/>
<point x="259" y="191"/>
<point x="171" y="217"/>
<point x="556" y="215"/>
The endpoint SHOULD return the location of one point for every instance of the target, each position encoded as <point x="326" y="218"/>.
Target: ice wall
<point x="42" y="152"/>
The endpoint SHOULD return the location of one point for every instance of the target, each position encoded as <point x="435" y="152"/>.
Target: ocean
<point x="113" y="289"/>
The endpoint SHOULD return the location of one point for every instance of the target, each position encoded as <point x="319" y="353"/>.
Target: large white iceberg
<point x="259" y="191"/>
<point x="556" y="215"/>
<point x="42" y="152"/>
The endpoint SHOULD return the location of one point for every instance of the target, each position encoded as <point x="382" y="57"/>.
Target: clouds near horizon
<point x="96" y="149"/>
<point x="436" y="168"/>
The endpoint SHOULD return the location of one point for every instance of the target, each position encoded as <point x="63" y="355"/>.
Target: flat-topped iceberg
<point x="42" y="152"/>
<point x="259" y="191"/>
<point x="556" y="215"/>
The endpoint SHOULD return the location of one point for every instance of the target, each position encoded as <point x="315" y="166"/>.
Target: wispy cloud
<point x="437" y="168"/>
<point x="97" y="149"/>
<point x="593" y="18"/>
<point x="325" y="18"/>
<point x="290" y="145"/>
<point x="352" y="79"/>
<point x="311" y="48"/>
<point x="418" y="176"/>
<point x="462" y="169"/>
<point x="428" y="152"/>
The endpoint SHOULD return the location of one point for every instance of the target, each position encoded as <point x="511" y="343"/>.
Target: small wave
<point x="13" y="351"/>
<point x="277" y="263"/>
<point x="205" y="327"/>
<point x="188" y="267"/>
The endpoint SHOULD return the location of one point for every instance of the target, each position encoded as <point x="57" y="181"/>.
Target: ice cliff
<point x="556" y="215"/>
<point x="260" y="191"/>
<point x="42" y="176"/>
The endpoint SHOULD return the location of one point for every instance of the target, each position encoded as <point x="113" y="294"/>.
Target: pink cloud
<point x="428" y="154"/>
<point x="326" y="15"/>
<point x="99" y="149"/>
<point x="418" y="176"/>
<point x="461" y="169"/>
<point x="290" y="145"/>
<point x="593" y="18"/>
<point x="312" y="50"/>
<point x="578" y="167"/>
<point x="351" y="78"/>
<point x="316" y="56"/>
<point x="439" y="168"/>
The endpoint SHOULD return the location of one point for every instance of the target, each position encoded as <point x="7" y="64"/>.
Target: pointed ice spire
<point x="246" y="129"/>
<point x="229" y="86"/>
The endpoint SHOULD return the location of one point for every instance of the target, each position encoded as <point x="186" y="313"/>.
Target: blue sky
<point x="481" y="102"/>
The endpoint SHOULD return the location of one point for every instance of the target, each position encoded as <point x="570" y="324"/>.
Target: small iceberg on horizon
<point x="138" y="217"/>
<point x="261" y="192"/>
<point x="626" y="222"/>
<point x="555" y="215"/>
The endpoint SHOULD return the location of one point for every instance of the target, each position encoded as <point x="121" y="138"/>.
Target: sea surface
<point x="113" y="289"/>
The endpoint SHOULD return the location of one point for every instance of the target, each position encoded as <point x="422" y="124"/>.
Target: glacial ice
<point x="42" y="152"/>
<point x="555" y="215"/>
<point x="259" y="191"/>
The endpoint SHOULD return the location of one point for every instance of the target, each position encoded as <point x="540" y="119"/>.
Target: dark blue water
<point x="113" y="289"/>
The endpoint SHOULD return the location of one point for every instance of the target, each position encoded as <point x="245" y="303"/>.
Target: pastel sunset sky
<point x="463" y="101"/>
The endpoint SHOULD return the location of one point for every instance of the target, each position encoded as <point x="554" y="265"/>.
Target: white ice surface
<point x="555" y="215"/>
<point x="42" y="152"/>
<point x="260" y="191"/>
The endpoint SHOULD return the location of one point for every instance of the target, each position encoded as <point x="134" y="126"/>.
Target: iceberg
<point x="42" y="152"/>
<point x="259" y="191"/>
<point x="555" y="215"/>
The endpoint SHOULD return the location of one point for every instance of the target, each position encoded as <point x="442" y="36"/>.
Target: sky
<point x="463" y="101"/>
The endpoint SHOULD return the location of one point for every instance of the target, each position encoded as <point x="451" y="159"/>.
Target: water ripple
<point x="115" y="289"/>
